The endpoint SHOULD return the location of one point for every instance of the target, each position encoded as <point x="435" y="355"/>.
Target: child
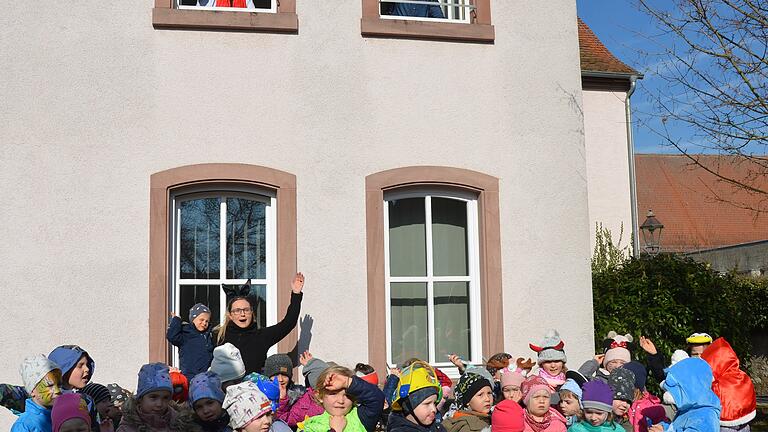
<point x="193" y="340"/>
<point x="615" y="354"/>
<point x="414" y="408"/>
<point x="206" y="399"/>
<point x="474" y="398"/>
<point x="228" y="364"/>
<point x="109" y="414"/>
<point x="645" y="405"/>
<point x="570" y="402"/>
<point x="597" y="399"/>
<point x="294" y="403"/>
<point x="551" y="359"/>
<point x="250" y="410"/>
<point x="510" y="385"/>
<point x="338" y="390"/>
<point x="77" y="366"/>
<point x="689" y="384"/>
<point x="508" y="416"/>
<point x="697" y="343"/>
<point x="151" y="408"/>
<point x="118" y="396"/>
<point x="70" y="414"/>
<point x="42" y="381"/>
<point x="622" y="384"/>
<point x="731" y="384"/>
<point x="539" y="414"/>
<point x="367" y="373"/>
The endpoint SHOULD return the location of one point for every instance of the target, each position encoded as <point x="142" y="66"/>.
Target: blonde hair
<point x="320" y="390"/>
<point x="223" y="327"/>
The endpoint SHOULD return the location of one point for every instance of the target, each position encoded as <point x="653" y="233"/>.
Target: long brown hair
<point x="223" y="328"/>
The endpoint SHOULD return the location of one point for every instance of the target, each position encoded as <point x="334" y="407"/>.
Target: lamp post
<point x="651" y="230"/>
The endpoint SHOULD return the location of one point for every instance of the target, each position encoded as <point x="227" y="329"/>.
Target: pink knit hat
<point x="532" y="385"/>
<point x="67" y="407"/>
<point x="511" y="378"/>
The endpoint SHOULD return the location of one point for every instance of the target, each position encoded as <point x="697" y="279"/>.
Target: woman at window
<point x="241" y="330"/>
<point x="413" y="10"/>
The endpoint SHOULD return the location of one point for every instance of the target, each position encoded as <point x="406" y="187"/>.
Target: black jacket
<point x="370" y="402"/>
<point x="398" y="423"/>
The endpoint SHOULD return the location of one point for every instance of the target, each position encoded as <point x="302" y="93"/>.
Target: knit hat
<point x="67" y="407"/>
<point x="153" y="377"/>
<point x="227" y="362"/>
<point x="469" y="384"/>
<point x="245" y="402"/>
<point x="508" y="416"/>
<point x="678" y="355"/>
<point x="617" y="347"/>
<point x="576" y="376"/>
<point x="622" y="383"/>
<point x="206" y="385"/>
<point x="33" y="369"/>
<point x="641" y="374"/>
<point x="278" y="364"/>
<point x="198" y="310"/>
<point x="573" y="387"/>
<point x="97" y="392"/>
<point x="67" y="356"/>
<point x="117" y="394"/>
<point x="597" y="395"/>
<point x="550" y="348"/>
<point x="415" y="398"/>
<point x="532" y="385"/>
<point x="511" y="378"/>
<point x="180" y="385"/>
<point x="312" y="371"/>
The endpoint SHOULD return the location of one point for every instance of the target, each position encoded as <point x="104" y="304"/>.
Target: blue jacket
<point x="370" y="402"/>
<point x="34" y="419"/>
<point x="416" y="10"/>
<point x="195" y="347"/>
<point x="698" y="408"/>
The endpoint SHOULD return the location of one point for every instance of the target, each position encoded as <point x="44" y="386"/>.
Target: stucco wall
<point x="96" y="100"/>
<point x="605" y="132"/>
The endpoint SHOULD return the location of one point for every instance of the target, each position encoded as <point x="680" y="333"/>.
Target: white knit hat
<point x="227" y="362"/>
<point x="34" y="368"/>
<point x="678" y="355"/>
<point x="245" y="402"/>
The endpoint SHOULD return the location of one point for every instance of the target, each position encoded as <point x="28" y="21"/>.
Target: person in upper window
<point x="414" y="10"/>
<point x="193" y="338"/>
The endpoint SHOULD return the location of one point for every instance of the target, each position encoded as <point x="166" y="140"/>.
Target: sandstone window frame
<point x="166" y="16"/>
<point x="163" y="185"/>
<point x="486" y="189"/>
<point x="479" y="30"/>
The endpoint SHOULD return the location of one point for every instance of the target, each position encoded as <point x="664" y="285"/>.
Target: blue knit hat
<point x="206" y="385"/>
<point x="573" y="387"/>
<point x="198" y="310"/>
<point x="153" y="377"/>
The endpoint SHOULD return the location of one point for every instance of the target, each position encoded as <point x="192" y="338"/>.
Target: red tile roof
<point x="595" y="57"/>
<point x="684" y="198"/>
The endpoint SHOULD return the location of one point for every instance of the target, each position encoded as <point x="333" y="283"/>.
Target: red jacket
<point x="732" y="385"/>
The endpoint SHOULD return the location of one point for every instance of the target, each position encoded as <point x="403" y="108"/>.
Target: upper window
<point x="428" y="10"/>
<point x="257" y="15"/>
<point x="229" y="5"/>
<point x="431" y="267"/>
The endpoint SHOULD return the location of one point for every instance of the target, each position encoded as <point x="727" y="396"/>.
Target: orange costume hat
<point x="731" y="384"/>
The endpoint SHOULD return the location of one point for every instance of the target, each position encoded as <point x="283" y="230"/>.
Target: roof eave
<point x="603" y="74"/>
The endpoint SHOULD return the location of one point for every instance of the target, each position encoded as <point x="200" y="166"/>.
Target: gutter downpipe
<point x="632" y="176"/>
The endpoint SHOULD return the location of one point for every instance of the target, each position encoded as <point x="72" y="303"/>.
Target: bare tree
<point x="713" y="56"/>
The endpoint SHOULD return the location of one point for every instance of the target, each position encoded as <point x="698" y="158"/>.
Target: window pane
<point x="259" y="294"/>
<point x="452" y="332"/>
<point x="407" y="237"/>
<point x="409" y="321"/>
<point x="190" y="295"/>
<point x="449" y="237"/>
<point x="199" y="254"/>
<point x="246" y="241"/>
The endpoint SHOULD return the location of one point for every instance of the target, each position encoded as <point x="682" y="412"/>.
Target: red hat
<point x="371" y="378"/>
<point x="731" y="384"/>
<point x="180" y="386"/>
<point x="508" y="417"/>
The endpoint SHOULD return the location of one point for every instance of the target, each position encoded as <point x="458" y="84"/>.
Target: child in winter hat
<point x="539" y="414"/>
<point x="206" y="399"/>
<point x="193" y="339"/>
<point x="42" y="380"/>
<point x="622" y="383"/>
<point x="474" y="399"/>
<point x="510" y="385"/>
<point x="109" y="414"/>
<point x="508" y="416"/>
<point x="615" y="354"/>
<point x="227" y="364"/>
<point x="597" y="399"/>
<point x="248" y="408"/>
<point x="570" y="401"/>
<point x="645" y="405"/>
<point x="551" y="359"/>
<point x="70" y="414"/>
<point x="77" y="366"/>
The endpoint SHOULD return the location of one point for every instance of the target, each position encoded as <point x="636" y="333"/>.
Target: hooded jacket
<point x="463" y="421"/>
<point x="398" y="423"/>
<point x="292" y="410"/>
<point x="67" y="357"/>
<point x="648" y="406"/>
<point x="732" y="385"/>
<point x="689" y="383"/>
<point x="176" y="419"/>
<point x="34" y="419"/>
<point x="195" y="347"/>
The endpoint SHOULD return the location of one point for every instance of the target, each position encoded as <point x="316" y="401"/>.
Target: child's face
<point x="481" y="402"/>
<point x="569" y="405"/>
<point x="48" y="389"/>
<point x="80" y="374"/>
<point x="260" y="424"/>
<point x="595" y="417"/>
<point x="512" y="392"/>
<point x="208" y="409"/>
<point x="282" y="379"/>
<point x="620" y="407"/>
<point x="155" y="402"/>
<point x="201" y="321"/>
<point x="539" y="403"/>
<point x="74" y="425"/>
<point x="614" y="364"/>
<point x="425" y="411"/>
<point x="241" y="313"/>
<point x="553" y="367"/>
<point x="696" y="350"/>
<point x="337" y="403"/>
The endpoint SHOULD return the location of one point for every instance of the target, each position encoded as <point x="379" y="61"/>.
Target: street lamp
<point x="651" y="230"/>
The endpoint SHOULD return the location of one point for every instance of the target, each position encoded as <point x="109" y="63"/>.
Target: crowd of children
<point x="218" y="389"/>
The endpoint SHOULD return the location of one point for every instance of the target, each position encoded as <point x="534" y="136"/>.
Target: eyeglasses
<point x="241" y="311"/>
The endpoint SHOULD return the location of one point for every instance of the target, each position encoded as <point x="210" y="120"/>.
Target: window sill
<point x="379" y="27"/>
<point x="281" y="22"/>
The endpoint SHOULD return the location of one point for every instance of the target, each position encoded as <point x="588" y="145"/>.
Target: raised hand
<point x="335" y="382"/>
<point x="648" y="345"/>
<point x="298" y="283"/>
<point x="305" y="357"/>
<point x="599" y="358"/>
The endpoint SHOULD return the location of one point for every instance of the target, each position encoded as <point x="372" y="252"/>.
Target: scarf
<point x="536" y="425"/>
<point x="552" y="380"/>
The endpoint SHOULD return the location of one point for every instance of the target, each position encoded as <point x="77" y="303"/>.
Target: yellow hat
<point x="699" y="339"/>
<point x="419" y="375"/>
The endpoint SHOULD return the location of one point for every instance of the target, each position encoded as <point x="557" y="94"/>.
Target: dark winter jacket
<point x="254" y="342"/>
<point x="398" y="423"/>
<point x="221" y="424"/>
<point x="177" y="419"/>
<point x="195" y="347"/>
<point x="370" y="402"/>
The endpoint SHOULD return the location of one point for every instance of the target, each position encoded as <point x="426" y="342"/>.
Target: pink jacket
<point x="648" y="406"/>
<point x="305" y="406"/>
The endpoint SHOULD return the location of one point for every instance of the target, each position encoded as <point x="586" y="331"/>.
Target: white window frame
<point x="448" y="11"/>
<point x="255" y="194"/>
<point x="473" y="258"/>
<point x="272" y="8"/>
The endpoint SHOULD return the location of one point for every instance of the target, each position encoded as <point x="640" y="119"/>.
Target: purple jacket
<point x="304" y="406"/>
